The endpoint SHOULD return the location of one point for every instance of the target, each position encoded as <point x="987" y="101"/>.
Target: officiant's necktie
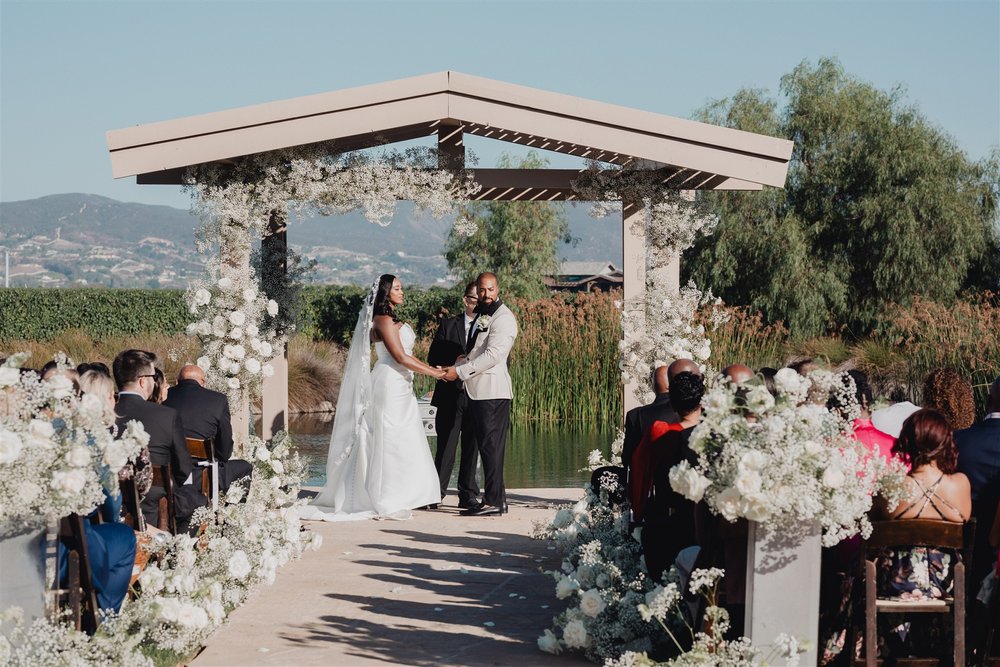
<point x="473" y="332"/>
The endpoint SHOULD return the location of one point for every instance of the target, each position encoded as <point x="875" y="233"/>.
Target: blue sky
<point x="69" y="71"/>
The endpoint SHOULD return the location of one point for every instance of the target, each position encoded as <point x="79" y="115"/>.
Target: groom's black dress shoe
<point x="467" y="504"/>
<point x="483" y="510"/>
<point x="432" y="506"/>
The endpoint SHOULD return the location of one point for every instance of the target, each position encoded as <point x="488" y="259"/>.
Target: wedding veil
<point x="355" y="398"/>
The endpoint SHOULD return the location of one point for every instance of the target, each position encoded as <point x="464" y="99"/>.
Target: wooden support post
<point x="634" y="272"/>
<point x="274" y="396"/>
<point x="451" y="146"/>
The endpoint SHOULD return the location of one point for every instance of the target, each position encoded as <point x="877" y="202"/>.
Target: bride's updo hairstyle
<point x="382" y="304"/>
<point x="686" y="390"/>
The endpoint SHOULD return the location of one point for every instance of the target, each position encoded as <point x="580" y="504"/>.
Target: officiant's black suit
<point x="452" y="419"/>
<point x="205" y="414"/>
<point x="166" y="445"/>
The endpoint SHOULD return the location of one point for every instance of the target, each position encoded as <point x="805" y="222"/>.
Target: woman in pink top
<point x="876" y="441"/>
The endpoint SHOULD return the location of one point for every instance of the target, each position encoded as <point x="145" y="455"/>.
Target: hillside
<point x="68" y="239"/>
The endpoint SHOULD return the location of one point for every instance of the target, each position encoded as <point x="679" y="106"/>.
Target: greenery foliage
<point x="880" y="205"/>
<point x="514" y="239"/>
<point x="99" y="312"/>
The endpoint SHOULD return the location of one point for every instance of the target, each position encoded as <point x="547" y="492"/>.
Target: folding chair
<point x="906" y="533"/>
<point x="203" y="452"/>
<point x="131" y="509"/>
<point x="79" y="593"/>
<point x="166" y="518"/>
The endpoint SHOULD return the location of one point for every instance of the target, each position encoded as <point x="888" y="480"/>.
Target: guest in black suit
<point x="205" y="414"/>
<point x="135" y="373"/>
<point x="638" y="420"/>
<point x="979" y="459"/>
<point x="452" y="419"/>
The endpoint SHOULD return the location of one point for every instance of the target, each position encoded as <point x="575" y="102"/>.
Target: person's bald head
<point x="994" y="405"/>
<point x="661" y="380"/>
<point x="682" y="366"/>
<point x="191" y="372"/>
<point x="738" y="373"/>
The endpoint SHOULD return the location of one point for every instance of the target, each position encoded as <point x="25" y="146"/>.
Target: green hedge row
<point x="330" y="312"/>
<point x="44" y="313"/>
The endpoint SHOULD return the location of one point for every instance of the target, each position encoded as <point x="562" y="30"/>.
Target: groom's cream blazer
<point x="484" y="371"/>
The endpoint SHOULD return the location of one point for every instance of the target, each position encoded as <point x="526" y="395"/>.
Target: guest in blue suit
<point x="979" y="459"/>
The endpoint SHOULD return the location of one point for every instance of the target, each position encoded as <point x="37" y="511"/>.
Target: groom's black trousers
<point x="491" y="420"/>
<point x="453" y="423"/>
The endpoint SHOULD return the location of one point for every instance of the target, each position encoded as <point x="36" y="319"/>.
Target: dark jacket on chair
<point x="979" y="459"/>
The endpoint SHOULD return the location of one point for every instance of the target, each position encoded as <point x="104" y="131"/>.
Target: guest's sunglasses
<point x="471" y="298"/>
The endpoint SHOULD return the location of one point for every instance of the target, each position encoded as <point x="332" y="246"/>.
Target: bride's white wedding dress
<point x="382" y="467"/>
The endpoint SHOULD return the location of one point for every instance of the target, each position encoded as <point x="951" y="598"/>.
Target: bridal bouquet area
<point x="781" y="457"/>
<point x="56" y="453"/>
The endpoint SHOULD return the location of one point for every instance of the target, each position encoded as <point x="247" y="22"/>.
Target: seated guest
<point x="979" y="459"/>
<point x="159" y="394"/>
<point x="205" y="414"/>
<point x="97" y="366"/>
<point x="864" y="431"/>
<point x="950" y="394"/>
<point x="935" y="491"/>
<point x="134" y="373"/>
<point x="669" y="517"/>
<point x="95" y="382"/>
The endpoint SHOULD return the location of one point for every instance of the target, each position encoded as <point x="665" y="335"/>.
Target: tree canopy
<point x="514" y="239"/>
<point x="880" y="205"/>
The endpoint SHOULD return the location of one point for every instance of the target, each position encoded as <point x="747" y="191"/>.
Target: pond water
<point x="538" y="456"/>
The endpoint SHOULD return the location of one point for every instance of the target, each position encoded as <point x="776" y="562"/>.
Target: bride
<point x="379" y="464"/>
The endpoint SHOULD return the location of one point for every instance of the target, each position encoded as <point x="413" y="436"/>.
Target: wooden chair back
<point x="201" y="449"/>
<point x="131" y="505"/>
<point x="204" y="451"/>
<point x="907" y="533"/>
<point x="79" y="593"/>
<point x="166" y="518"/>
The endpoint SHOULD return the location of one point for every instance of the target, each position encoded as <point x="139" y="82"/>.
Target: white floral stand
<point x="22" y="573"/>
<point x="783" y="589"/>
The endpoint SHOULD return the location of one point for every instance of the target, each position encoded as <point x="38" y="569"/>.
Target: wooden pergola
<point x="685" y="155"/>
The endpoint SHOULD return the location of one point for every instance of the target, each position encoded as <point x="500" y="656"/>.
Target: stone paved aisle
<point x="438" y="590"/>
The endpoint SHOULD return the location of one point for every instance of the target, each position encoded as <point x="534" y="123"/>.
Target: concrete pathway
<point x="440" y="589"/>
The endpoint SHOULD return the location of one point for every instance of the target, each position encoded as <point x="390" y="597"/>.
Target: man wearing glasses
<point x="451" y="401"/>
<point x="134" y="374"/>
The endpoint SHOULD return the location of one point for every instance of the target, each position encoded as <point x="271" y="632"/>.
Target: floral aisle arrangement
<point x="785" y="460"/>
<point x="57" y="451"/>
<point x="197" y="581"/>
<point x="603" y="579"/>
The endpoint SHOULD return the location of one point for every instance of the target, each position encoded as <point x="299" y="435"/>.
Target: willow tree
<point x="880" y="206"/>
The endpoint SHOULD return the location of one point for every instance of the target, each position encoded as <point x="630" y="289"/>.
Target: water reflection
<point x="538" y="456"/>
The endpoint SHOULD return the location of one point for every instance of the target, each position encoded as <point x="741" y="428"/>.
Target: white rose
<point x="115" y="457"/>
<point x="757" y="511"/>
<point x="688" y="482"/>
<point x="563" y="518"/>
<point x="252" y="329"/>
<point x="192" y="616"/>
<point x="9" y="376"/>
<point x="263" y="453"/>
<point x="812" y="447"/>
<point x="168" y="609"/>
<point x="729" y="503"/>
<point x="237" y="318"/>
<point x="748" y="482"/>
<point x="236" y="333"/>
<point x="238" y="352"/>
<point x="239" y="564"/>
<point x="833" y="477"/>
<point x="41" y="431"/>
<point x="549" y="643"/>
<point x="272" y="307"/>
<point x="566" y="587"/>
<point x="225" y="282"/>
<point x="152" y="579"/>
<point x="204" y="328"/>
<point x="136" y="432"/>
<point x="591" y="603"/>
<point x="204" y="363"/>
<point x="69" y="482"/>
<point x="267" y="370"/>
<point x="60" y="386"/>
<point x="252" y="365"/>
<point x="575" y="634"/>
<point x="266" y="350"/>
<point x="191" y="329"/>
<point x="278" y="467"/>
<point x="753" y="460"/>
<point x="603" y="580"/>
<point x="233" y="383"/>
<point x="202" y="296"/>
<point x="759" y="400"/>
<point x="92" y="406"/>
<point x="78" y="457"/>
<point x="249" y="294"/>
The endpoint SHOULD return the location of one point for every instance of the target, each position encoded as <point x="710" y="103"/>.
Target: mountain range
<point x="82" y="239"/>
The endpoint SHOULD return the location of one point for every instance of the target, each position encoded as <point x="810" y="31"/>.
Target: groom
<point x="484" y="375"/>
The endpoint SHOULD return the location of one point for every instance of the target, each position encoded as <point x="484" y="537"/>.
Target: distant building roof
<point x="588" y="269"/>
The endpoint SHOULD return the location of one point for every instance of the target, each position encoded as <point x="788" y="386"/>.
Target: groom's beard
<point x="489" y="308"/>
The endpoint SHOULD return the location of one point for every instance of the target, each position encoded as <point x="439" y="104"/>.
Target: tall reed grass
<point x="745" y="339"/>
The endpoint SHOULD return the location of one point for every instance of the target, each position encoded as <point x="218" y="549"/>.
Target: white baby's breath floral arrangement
<point x="43" y="642"/>
<point x="785" y="460"/>
<point x="57" y="450"/>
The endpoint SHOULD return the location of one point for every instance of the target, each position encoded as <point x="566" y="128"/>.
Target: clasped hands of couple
<point x="448" y="373"/>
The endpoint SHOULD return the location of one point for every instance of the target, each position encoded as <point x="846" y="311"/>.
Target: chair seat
<point x="942" y="605"/>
